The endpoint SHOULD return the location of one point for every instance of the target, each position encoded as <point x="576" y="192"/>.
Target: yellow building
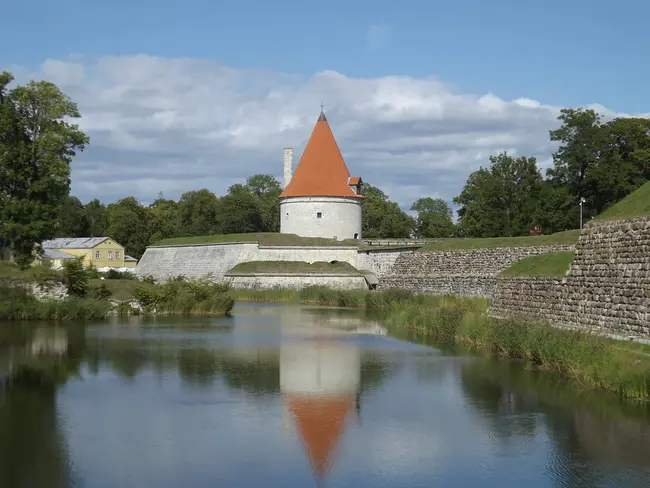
<point x="100" y="252"/>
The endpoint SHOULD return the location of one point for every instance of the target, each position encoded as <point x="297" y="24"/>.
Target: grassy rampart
<point x="550" y="264"/>
<point x="560" y="238"/>
<point x="264" y="239"/>
<point x="636" y="204"/>
<point x="295" y="267"/>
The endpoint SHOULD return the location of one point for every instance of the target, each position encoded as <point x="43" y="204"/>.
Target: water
<point x="281" y="396"/>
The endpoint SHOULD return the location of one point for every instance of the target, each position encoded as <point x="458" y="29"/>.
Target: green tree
<point x="97" y="217"/>
<point x="239" y="211"/>
<point x="266" y="189"/>
<point x="434" y="218"/>
<point x="503" y="200"/>
<point x="383" y="218"/>
<point x="165" y="218"/>
<point x="197" y="213"/>
<point x="37" y="143"/>
<point x="76" y="277"/>
<point x="72" y="219"/>
<point x="129" y="223"/>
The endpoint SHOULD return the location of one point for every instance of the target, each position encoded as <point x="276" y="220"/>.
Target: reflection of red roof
<point x="321" y="171"/>
<point x="321" y="421"/>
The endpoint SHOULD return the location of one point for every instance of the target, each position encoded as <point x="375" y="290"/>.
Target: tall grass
<point x="592" y="361"/>
<point x="17" y="304"/>
<point x="184" y="297"/>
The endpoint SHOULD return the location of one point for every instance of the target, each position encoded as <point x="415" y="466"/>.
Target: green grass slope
<point x="568" y="237"/>
<point x="295" y="267"/>
<point x="636" y="204"/>
<point x="551" y="264"/>
<point x="264" y="238"/>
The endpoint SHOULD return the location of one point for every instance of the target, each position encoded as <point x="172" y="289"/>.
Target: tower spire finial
<point x="322" y="117"/>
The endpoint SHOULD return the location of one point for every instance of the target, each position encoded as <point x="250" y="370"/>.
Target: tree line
<point x="600" y="162"/>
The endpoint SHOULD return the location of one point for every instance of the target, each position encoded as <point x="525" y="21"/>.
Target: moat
<point x="281" y="395"/>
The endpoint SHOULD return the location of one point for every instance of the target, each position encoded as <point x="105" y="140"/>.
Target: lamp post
<point x="582" y="200"/>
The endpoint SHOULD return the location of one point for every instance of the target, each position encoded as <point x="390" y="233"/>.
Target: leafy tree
<point x="72" y="219"/>
<point x="37" y="143"/>
<point x="197" y="213"/>
<point x="129" y="223"/>
<point x="97" y="218"/>
<point x="383" y="218"/>
<point x="165" y="218"/>
<point x="434" y="218"/>
<point x="267" y="189"/>
<point x="503" y="200"/>
<point x="239" y="211"/>
<point x="75" y="277"/>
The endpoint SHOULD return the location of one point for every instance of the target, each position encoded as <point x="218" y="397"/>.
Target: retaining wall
<point x="607" y="288"/>
<point x="296" y="281"/>
<point x="380" y="262"/>
<point x="471" y="272"/>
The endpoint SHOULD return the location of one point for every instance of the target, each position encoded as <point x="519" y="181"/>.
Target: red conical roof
<point x="321" y="171"/>
<point x="320" y="419"/>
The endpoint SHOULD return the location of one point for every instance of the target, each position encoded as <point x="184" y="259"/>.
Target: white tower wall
<point x="288" y="165"/>
<point x="329" y="217"/>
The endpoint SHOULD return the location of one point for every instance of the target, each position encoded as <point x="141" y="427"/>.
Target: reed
<point x="590" y="360"/>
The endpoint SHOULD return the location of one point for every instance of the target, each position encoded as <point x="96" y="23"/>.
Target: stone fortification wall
<point x="196" y="261"/>
<point x="308" y="254"/>
<point x="380" y="262"/>
<point x="607" y="288"/>
<point x="296" y="281"/>
<point x="471" y="272"/>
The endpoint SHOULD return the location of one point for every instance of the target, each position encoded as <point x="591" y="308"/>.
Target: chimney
<point x="288" y="165"/>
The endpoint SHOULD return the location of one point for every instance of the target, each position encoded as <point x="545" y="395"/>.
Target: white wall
<point x="296" y="281"/>
<point x="308" y="254"/>
<point x="340" y="217"/>
<point x="379" y="262"/>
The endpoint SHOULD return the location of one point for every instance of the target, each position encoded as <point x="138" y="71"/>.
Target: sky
<point x="178" y="96"/>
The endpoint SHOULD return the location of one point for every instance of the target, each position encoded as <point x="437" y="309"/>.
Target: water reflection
<point x="275" y="396"/>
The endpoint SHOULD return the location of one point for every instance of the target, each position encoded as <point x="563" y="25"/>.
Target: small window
<point x="117" y="253"/>
<point x="110" y="254"/>
<point x="98" y="255"/>
<point x="319" y="215"/>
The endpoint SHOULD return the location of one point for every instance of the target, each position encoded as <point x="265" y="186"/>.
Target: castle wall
<point x="340" y="217"/>
<point x="471" y="272"/>
<point x="197" y="261"/>
<point x="380" y="262"/>
<point x="194" y="261"/>
<point x="607" y="289"/>
<point x="295" y="281"/>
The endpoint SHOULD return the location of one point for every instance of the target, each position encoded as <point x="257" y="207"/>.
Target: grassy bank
<point x="559" y="238"/>
<point x="550" y="264"/>
<point x="295" y="267"/>
<point x="17" y="304"/>
<point x="636" y="204"/>
<point x="592" y="361"/>
<point x="264" y="238"/>
<point x="179" y="296"/>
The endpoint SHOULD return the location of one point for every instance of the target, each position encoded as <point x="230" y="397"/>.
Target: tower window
<point x="319" y="215"/>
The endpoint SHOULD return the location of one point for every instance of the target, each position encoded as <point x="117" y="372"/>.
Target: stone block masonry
<point x="470" y="272"/>
<point x="295" y="281"/>
<point x="606" y="290"/>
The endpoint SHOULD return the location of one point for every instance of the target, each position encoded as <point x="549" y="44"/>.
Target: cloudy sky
<point x="201" y="94"/>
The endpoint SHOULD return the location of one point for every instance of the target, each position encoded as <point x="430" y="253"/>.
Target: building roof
<point x="129" y="258"/>
<point x="321" y="171"/>
<point x="54" y="254"/>
<point x="321" y="420"/>
<point x="73" y="242"/>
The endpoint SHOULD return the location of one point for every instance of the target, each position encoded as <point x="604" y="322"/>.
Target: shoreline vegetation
<point x="590" y="360"/>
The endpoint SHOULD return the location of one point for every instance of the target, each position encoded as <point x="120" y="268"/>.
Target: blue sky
<point x="561" y="52"/>
<point x="556" y="53"/>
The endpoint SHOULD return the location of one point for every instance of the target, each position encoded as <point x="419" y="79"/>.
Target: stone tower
<point x="321" y="199"/>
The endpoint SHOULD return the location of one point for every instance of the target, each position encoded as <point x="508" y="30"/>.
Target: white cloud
<point x="181" y="124"/>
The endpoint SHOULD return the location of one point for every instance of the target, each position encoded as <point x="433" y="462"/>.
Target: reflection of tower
<point x="320" y="381"/>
